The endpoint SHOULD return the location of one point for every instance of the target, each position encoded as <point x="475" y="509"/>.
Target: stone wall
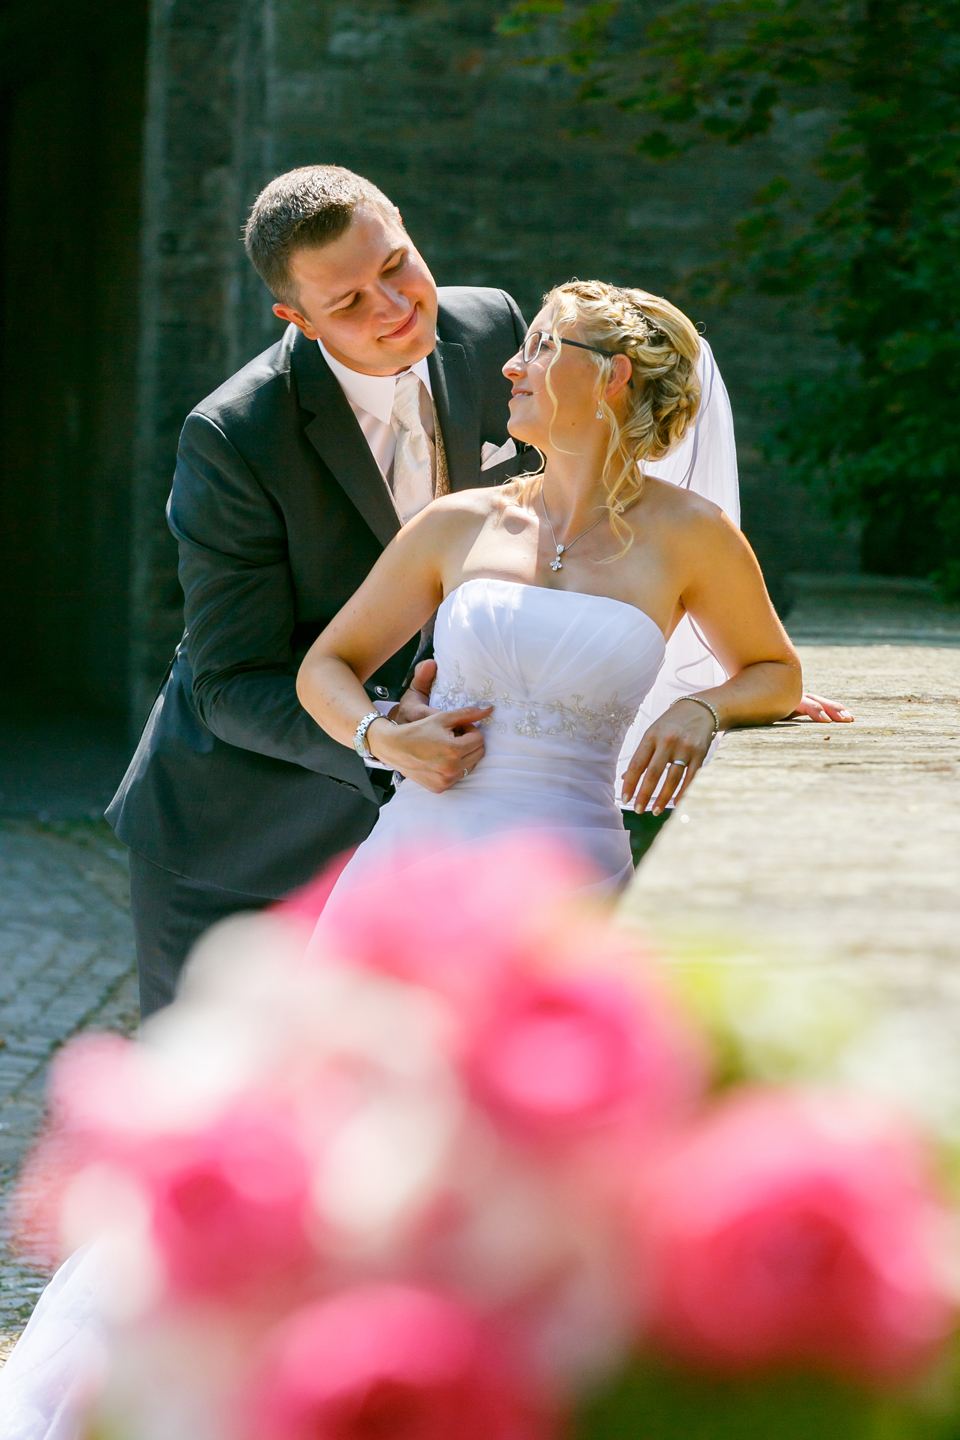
<point x="494" y="186"/>
<point x="203" y="159"/>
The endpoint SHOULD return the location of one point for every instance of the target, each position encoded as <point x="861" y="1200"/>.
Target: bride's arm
<point x="728" y="602"/>
<point x="397" y="598"/>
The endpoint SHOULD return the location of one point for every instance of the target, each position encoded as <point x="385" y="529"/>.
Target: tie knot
<point x="406" y="400"/>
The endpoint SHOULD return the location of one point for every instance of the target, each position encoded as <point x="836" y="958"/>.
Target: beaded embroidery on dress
<point x="566" y="673"/>
<point x="552" y="717"/>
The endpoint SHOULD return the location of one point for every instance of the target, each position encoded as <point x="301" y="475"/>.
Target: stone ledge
<point x="831" y="846"/>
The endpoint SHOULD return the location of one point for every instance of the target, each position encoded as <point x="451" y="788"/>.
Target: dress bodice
<point x="564" y="670"/>
<point x="565" y="673"/>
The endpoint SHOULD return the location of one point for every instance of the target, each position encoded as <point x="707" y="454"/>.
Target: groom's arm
<point x="239" y="609"/>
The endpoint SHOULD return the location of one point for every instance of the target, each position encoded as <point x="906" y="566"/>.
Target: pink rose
<point x="562" y="1056"/>
<point x="304" y="907"/>
<point x="106" y="1088"/>
<point x="102" y="1100"/>
<point x="454" y="919"/>
<point x="229" y="1199"/>
<point x="391" y="1362"/>
<point x="797" y="1229"/>
<point x="230" y="1205"/>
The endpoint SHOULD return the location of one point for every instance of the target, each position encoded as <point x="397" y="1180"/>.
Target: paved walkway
<point x="870" y="610"/>
<point x="66" y="964"/>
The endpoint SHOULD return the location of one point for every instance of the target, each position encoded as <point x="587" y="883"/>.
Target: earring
<point x="599" y="412"/>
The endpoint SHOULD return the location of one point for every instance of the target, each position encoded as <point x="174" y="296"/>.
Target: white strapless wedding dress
<point x="566" y="674"/>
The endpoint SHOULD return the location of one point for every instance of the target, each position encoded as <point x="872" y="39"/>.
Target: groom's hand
<point x="814" y="707"/>
<point x="415" y="701"/>
<point x="435" y="752"/>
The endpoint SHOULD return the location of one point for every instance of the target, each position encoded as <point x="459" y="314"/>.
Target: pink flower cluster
<point x="429" y="1168"/>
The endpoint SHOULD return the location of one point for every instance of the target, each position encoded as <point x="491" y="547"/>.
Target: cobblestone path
<point x="66" y="964"/>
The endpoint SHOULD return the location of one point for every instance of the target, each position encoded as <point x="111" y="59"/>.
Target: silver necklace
<point x="557" y="564"/>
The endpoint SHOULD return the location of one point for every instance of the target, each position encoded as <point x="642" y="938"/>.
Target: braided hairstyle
<point x="663" y="347"/>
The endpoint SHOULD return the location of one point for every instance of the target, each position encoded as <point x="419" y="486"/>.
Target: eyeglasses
<point x="534" y="343"/>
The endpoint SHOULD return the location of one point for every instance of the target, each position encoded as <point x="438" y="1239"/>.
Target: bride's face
<point x="575" y="383"/>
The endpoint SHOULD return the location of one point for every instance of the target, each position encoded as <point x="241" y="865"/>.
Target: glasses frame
<point x="577" y="344"/>
<point x="546" y="335"/>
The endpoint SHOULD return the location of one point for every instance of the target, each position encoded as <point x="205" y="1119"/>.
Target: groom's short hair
<point x="301" y="210"/>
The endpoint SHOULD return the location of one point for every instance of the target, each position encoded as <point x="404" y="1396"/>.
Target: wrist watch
<point x="360" y="735"/>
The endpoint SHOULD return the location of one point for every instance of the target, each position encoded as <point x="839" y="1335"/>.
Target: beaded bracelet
<point x="697" y="700"/>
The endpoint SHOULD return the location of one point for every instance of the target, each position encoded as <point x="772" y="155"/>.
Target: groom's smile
<point x="405" y="328"/>
<point x="368" y="295"/>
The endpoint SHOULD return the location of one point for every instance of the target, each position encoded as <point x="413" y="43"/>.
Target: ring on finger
<point x="466" y="772"/>
<point x="682" y="763"/>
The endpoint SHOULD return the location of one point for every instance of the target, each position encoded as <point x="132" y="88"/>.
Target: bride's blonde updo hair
<point x="663" y="347"/>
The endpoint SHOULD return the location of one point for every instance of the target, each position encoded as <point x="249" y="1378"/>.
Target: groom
<point x="290" y="480"/>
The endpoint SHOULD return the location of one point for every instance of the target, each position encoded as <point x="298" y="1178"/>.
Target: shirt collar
<point x="373" y="393"/>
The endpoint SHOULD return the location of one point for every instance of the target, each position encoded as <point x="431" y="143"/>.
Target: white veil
<point x="705" y="461"/>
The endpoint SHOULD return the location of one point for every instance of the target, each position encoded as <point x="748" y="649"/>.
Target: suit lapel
<point x="455" y="398"/>
<point x="338" y="440"/>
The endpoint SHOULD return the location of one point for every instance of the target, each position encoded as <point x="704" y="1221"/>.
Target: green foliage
<point x="651" y="1401"/>
<point x="523" y="18"/>
<point x="878" y="427"/>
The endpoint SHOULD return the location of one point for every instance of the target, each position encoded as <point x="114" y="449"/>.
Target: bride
<point x="555" y="597"/>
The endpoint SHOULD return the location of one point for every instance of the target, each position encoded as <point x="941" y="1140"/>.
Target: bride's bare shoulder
<point x="481" y="501"/>
<point x="466" y="507"/>
<point x="682" y="510"/>
<point x="450" y="518"/>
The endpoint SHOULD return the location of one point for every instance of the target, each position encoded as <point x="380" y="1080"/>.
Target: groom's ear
<point x="293" y="317"/>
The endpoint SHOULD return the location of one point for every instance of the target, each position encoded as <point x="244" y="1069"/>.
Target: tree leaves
<point x="879" y="80"/>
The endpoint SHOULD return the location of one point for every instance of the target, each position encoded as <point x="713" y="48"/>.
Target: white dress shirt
<point x="370" y="397"/>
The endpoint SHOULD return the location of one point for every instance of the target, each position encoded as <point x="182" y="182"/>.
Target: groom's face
<point x="368" y="296"/>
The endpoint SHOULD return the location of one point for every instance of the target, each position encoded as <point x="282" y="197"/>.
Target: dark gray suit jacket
<point x="280" y="511"/>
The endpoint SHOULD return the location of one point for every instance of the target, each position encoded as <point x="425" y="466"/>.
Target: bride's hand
<point x="415" y="700"/>
<point x="676" y="743"/>
<point x="436" y="751"/>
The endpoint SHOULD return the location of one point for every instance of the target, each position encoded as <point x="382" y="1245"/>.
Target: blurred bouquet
<point x="454" y="1167"/>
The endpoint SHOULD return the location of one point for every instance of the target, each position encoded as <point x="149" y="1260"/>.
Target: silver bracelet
<point x="360" y="734"/>
<point x="698" y="700"/>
